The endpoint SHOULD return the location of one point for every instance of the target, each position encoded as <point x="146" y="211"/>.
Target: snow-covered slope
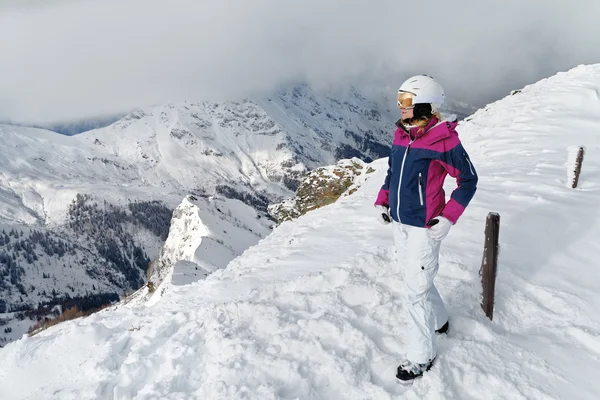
<point x="314" y="311"/>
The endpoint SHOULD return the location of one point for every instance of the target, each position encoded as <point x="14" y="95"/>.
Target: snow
<point x="165" y="152"/>
<point x="314" y="311"/>
<point x="232" y="148"/>
<point x="205" y="234"/>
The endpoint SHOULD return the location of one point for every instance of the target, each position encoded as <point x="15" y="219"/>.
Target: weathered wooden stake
<point x="490" y="263"/>
<point x="577" y="171"/>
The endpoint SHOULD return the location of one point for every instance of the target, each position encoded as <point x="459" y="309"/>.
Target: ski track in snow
<point x="315" y="310"/>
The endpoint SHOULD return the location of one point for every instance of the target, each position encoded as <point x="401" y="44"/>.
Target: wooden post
<point x="577" y="167"/>
<point x="490" y="263"/>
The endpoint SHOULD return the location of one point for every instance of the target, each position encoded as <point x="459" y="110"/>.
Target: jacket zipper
<point x="470" y="166"/>
<point x="400" y="182"/>
<point x="420" y="189"/>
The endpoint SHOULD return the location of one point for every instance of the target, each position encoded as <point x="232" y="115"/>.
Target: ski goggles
<point x="405" y="100"/>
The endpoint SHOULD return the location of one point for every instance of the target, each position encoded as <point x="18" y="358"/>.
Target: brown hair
<point x="424" y="121"/>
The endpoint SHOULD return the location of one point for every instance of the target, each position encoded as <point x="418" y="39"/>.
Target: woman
<point x="424" y="151"/>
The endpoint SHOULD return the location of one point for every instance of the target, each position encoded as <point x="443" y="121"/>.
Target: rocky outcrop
<point x="321" y="187"/>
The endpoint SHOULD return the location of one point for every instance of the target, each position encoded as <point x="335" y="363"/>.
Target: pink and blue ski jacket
<point x="418" y="164"/>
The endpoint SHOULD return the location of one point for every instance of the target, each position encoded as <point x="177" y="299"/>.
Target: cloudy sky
<point x="72" y="59"/>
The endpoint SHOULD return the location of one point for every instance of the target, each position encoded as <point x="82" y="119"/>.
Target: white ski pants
<point x="418" y="258"/>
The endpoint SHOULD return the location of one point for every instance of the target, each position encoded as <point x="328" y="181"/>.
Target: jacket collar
<point x="417" y="132"/>
<point x="433" y="132"/>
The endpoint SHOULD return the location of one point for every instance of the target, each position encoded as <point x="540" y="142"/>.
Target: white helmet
<point x="425" y="89"/>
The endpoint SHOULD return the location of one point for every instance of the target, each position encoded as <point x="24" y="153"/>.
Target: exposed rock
<point x="321" y="187"/>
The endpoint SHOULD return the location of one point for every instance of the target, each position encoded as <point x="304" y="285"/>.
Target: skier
<point x="424" y="151"/>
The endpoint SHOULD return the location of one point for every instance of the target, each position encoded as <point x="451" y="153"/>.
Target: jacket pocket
<point x="421" y="189"/>
<point x="422" y="263"/>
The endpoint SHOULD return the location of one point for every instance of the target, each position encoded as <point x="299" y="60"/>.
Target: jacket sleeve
<point x="459" y="166"/>
<point x="383" y="197"/>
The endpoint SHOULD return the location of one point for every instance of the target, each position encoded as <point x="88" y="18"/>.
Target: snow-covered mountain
<point x="106" y="196"/>
<point x="314" y="311"/>
<point x="257" y="148"/>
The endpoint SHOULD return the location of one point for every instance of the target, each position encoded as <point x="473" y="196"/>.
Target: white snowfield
<point x="314" y="311"/>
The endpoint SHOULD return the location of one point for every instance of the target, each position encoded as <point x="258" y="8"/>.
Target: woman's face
<point x="407" y="113"/>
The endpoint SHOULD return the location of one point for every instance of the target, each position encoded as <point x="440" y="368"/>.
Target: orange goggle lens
<point x="405" y="100"/>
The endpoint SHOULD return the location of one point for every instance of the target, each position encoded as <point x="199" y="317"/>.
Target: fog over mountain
<point x="73" y="59"/>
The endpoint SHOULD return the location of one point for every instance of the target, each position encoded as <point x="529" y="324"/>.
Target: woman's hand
<point x="440" y="227"/>
<point x="383" y="214"/>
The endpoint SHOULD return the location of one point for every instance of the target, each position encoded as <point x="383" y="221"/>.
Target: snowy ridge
<point x="205" y="235"/>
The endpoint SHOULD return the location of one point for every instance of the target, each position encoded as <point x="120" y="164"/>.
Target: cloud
<point x="69" y="59"/>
